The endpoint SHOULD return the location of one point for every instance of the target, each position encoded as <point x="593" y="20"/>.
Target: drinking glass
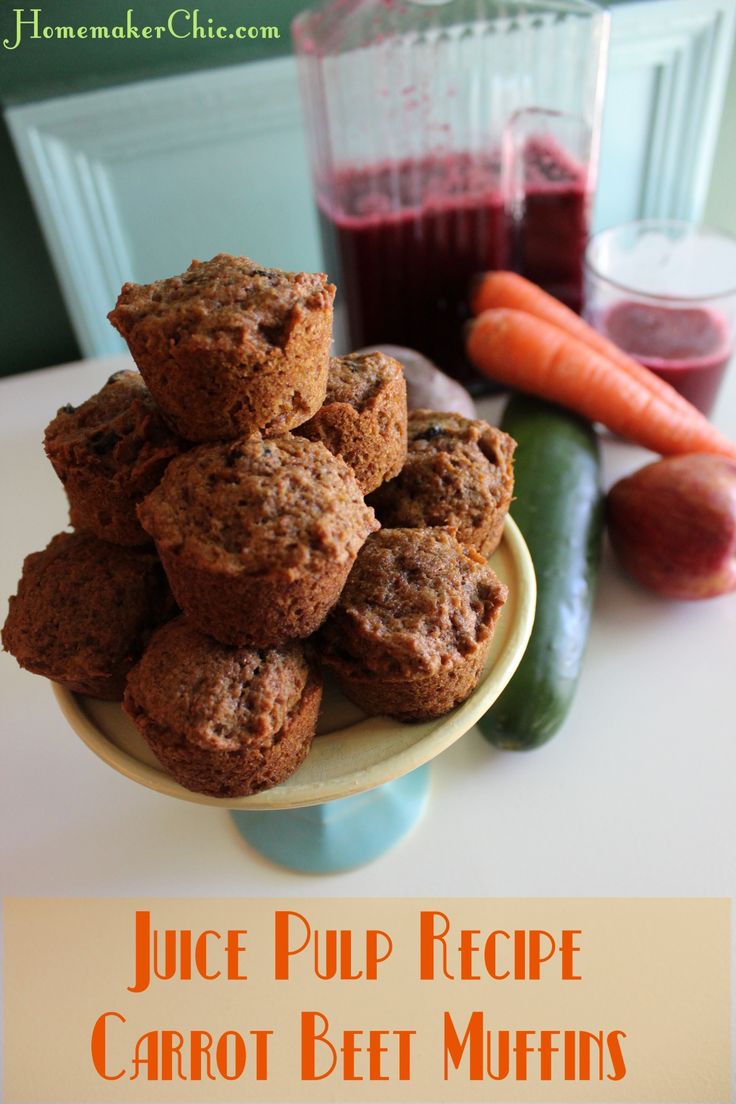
<point x="664" y="290"/>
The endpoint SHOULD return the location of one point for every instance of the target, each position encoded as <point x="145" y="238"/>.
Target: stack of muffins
<point x="245" y="454"/>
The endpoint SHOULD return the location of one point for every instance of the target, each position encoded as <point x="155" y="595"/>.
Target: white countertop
<point x="636" y="796"/>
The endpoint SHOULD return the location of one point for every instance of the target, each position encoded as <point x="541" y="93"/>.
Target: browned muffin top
<point x="257" y="506"/>
<point x="456" y="470"/>
<point x="215" y="696"/>
<point x="85" y="608"/>
<point x="415" y="601"/>
<point x="355" y="379"/>
<point x="119" y="427"/>
<point x="224" y="299"/>
<point x="430" y="432"/>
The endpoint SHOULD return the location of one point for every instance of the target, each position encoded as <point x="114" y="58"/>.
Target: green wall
<point x="34" y="328"/>
<point x="721" y="206"/>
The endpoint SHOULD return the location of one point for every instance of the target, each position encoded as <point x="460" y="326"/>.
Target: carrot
<point x="532" y="355"/>
<point x="508" y="289"/>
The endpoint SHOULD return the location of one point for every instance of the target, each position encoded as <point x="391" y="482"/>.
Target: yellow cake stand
<point x="365" y="781"/>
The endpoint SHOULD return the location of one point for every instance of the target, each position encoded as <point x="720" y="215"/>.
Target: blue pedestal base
<point x="340" y="835"/>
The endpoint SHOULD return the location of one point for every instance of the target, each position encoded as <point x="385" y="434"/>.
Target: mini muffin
<point x="458" y="473"/>
<point x="363" y="419"/>
<point x="223" y="721"/>
<point x="84" y="612"/>
<point x="109" y="453"/>
<point x="410" y="633"/>
<point x="257" y="536"/>
<point x="230" y="348"/>
<point x="427" y="388"/>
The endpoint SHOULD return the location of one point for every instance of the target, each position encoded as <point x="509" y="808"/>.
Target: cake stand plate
<point x="364" y="783"/>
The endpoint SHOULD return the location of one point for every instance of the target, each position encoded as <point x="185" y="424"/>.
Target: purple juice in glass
<point x="406" y="239"/>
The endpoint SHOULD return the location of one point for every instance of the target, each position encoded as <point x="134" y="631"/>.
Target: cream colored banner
<point x="367" y="1000"/>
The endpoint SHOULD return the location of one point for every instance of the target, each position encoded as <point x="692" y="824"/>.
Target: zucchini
<point x="559" y="508"/>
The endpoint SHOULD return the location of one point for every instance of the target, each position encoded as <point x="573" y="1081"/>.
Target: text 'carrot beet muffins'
<point x="84" y="611"/>
<point x="411" y="631"/>
<point x="363" y="418"/>
<point x="458" y="473"/>
<point x="257" y="537"/>
<point x="109" y="453"/>
<point x="229" y="348"/>
<point x="223" y="721"/>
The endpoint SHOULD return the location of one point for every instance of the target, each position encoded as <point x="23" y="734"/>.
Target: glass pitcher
<point x="448" y="137"/>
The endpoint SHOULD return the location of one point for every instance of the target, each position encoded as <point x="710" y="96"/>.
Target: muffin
<point x="458" y="473"/>
<point x="411" y="631"/>
<point x="109" y="453"/>
<point x="363" y="418"/>
<point x="257" y="536"/>
<point x="229" y="347"/>
<point x="427" y="388"/>
<point x="84" y="612"/>
<point x="223" y="721"/>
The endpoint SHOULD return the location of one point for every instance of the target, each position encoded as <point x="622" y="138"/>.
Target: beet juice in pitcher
<point x="449" y="137"/>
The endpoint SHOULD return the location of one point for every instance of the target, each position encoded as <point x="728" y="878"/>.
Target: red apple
<point x="673" y="525"/>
